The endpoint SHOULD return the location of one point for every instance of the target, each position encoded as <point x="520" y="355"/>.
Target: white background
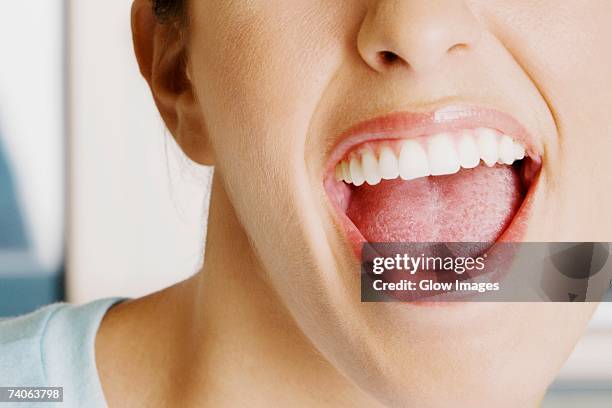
<point x="137" y="207"/>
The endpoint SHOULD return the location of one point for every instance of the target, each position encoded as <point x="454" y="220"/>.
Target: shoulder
<point x="53" y="347"/>
<point x="20" y="351"/>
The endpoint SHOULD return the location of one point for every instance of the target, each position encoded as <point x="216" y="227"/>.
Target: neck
<point x="231" y="340"/>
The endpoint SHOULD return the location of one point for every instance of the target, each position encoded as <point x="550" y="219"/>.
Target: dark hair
<point x="166" y="10"/>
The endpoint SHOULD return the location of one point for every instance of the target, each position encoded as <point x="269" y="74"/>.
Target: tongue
<point x="470" y="206"/>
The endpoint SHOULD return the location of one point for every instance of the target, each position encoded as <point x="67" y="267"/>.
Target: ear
<point x="161" y="50"/>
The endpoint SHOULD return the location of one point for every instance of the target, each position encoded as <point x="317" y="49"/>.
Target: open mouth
<point x="458" y="175"/>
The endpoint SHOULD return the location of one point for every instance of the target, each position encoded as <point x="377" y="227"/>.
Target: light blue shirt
<point x="54" y="347"/>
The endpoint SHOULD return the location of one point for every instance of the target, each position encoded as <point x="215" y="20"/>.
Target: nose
<point x="418" y="34"/>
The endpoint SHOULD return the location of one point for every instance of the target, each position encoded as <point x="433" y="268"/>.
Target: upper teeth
<point x="436" y="155"/>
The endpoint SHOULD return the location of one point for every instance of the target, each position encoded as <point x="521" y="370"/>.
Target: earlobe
<point x="162" y="59"/>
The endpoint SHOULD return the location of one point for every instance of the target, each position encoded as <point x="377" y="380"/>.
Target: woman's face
<point x="280" y="83"/>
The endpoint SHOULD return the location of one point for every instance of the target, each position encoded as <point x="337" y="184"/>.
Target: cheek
<point x="260" y="70"/>
<point x="565" y="47"/>
<point x="581" y="96"/>
<point x="259" y="74"/>
<point x="264" y="65"/>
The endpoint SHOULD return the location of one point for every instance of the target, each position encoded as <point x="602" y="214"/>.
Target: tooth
<point x="506" y="150"/>
<point x="356" y="172"/>
<point x="338" y="174"/>
<point x="413" y="162"/>
<point x="469" y="156"/>
<point x="388" y="165"/>
<point x="487" y="145"/>
<point x="346" y="173"/>
<point x="443" y="158"/>
<point x="370" y="168"/>
<point x="519" y="151"/>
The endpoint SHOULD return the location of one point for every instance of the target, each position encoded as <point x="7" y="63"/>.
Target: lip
<point x="406" y="125"/>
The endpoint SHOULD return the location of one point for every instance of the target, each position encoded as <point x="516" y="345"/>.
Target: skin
<point x="261" y="89"/>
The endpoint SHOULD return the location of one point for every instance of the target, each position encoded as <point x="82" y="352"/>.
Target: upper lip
<point x="405" y="125"/>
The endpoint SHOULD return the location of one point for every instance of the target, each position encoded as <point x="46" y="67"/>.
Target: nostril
<point x="457" y="48"/>
<point x="388" y="57"/>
